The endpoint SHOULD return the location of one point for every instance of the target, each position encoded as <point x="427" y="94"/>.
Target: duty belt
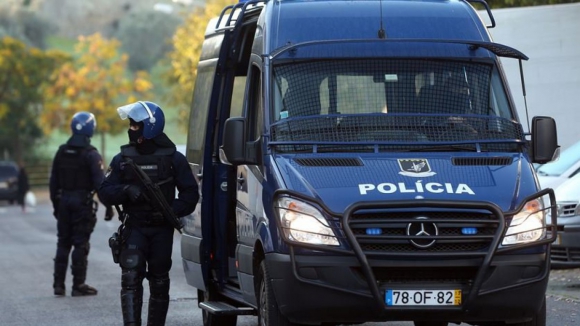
<point x="155" y="219"/>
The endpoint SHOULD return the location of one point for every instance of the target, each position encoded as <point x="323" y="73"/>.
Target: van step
<point x="222" y="308"/>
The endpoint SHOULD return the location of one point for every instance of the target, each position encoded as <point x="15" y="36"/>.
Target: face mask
<point x="135" y="136"/>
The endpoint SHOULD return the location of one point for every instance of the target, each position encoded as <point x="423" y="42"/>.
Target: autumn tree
<point x="23" y="72"/>
<point x="97" y="81"/>
<point x="187" y="42"/>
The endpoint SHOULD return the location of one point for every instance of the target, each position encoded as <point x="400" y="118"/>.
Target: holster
<point x="115" y="243"/>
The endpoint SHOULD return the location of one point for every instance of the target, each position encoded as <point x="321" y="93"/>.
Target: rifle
<point x="154" y="195"/>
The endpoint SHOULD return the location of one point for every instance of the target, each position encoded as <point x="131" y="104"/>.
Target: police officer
<point x="147" y="238"/>
<point x="77" y="172"/>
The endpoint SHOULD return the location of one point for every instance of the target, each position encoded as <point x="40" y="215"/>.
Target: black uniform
<point x="77" y="172"/>
<point x="147" y="237"/>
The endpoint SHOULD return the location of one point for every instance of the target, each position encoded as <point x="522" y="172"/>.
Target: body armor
<point x="158" y="166"/>
<point x="73" y="168"/>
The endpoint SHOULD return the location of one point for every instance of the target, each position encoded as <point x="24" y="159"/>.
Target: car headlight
<point x="302" y="222"/>
<point x="528" y="225"/>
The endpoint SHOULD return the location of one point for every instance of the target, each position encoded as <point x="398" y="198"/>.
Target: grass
<point x="64" y="44"/>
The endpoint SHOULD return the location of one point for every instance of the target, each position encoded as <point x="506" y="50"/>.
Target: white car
<point x="553" y="174"/>
<point x="565" y="250"/>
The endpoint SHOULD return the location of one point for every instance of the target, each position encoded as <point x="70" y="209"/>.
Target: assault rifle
<point x="154" y="195"/>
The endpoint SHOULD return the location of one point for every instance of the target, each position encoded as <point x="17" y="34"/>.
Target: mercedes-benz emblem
<point x="422" y="228"/>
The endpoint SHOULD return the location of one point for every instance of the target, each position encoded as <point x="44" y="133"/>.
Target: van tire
<point x="268" y="312"/>
<point x="210" y="319"/>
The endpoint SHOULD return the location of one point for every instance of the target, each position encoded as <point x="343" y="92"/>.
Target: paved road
<point x="27" y="247"/>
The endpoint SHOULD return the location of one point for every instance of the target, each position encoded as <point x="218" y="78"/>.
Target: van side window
<point x="199" y="110"/>
<point x="238" y="96"/>
<point x="255" y="110"/>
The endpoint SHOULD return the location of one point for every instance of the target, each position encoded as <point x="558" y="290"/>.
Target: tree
<point x="97" y="81"/>
<point x="187" y="42"/>
<point x="25" y="25"/>
<point x="145" y="35"/>
<point x="23" y="72"/>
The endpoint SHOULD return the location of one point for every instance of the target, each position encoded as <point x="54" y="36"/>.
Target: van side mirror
<point x="235" y="150"/>
<point x="544" y="140"/>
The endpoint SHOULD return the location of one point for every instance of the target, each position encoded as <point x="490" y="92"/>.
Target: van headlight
<point x="304" y="223"/>
<point x="528" y="225"/>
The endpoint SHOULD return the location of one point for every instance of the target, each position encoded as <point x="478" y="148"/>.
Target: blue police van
<point x="364" y="161"/>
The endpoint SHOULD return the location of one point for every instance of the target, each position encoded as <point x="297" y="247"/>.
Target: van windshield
<point x="391" y="100"/>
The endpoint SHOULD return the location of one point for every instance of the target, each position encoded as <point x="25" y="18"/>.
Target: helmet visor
<point x="137" y="111"/>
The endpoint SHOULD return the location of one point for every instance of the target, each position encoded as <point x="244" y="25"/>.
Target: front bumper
<point x="348" y="285"/>
<point x="315" y="289"/>
<point x="8" y="193"/>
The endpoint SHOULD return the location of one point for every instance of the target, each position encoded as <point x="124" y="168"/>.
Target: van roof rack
<point x="236" y="13"/>
<point x="484" y="3"/>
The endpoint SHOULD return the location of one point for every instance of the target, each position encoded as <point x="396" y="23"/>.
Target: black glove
<point x="109" y="213"/>
<point x="133" y="192"/>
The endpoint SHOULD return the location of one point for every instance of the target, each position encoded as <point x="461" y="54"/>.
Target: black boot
<point x="79" y="287"/>
<point x="157" y="311"/>
<point x="59" y="277"/>
<point x="131" y="304"/>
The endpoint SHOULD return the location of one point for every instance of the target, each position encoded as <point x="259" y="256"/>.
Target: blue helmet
<point x="147" y="112"/>
<point x="83" y="123"/>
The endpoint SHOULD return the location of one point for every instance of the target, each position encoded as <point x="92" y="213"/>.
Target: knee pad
<point x="131" y="279"/>
<point x="80" y="253"/>
<point x="159" y="285"/>
<point x="131" y="259"/>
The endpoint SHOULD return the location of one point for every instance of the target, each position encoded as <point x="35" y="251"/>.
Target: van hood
<point x="340" y="180"/>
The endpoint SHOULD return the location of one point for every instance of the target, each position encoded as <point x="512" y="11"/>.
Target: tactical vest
<point x="73" y="169"/>
<point x="158" y="166"/>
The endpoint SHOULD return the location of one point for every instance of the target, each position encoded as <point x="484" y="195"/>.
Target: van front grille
<point x="428" y="232"/>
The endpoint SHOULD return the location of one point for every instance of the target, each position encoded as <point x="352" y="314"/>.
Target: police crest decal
<point x="415" y="167"/>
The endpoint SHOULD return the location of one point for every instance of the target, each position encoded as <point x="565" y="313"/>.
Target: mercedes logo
<point x="422" y="228"/>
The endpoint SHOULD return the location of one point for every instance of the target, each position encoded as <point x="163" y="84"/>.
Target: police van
<point x="364" y="161"/>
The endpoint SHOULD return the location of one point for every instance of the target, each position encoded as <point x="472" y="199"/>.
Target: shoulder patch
<point x="109" y="170"/>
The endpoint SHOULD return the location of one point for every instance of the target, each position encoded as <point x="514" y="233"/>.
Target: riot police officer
<point x="77" y="172"/>
<point x="146" y="236"/>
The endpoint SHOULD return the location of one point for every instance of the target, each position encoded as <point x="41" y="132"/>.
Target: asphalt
<point x="564" y="284"/>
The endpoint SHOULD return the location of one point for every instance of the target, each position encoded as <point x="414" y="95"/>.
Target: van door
<point x="249" y="209"/>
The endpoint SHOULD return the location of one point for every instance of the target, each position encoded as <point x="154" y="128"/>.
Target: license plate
<point x="423" y="297"/>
